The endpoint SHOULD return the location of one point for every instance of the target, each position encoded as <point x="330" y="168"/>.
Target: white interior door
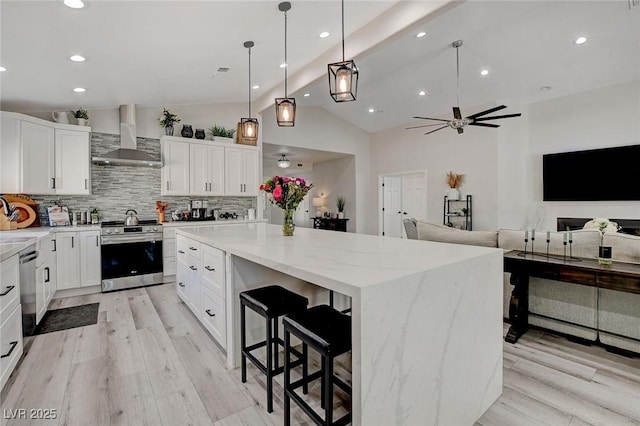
<point x="392" y="205"/>
<point x="414" y="196"/>
<point x="301" y="215"/>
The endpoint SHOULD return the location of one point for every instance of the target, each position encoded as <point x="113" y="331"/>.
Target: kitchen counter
<point x="12" y="246"/>
<point x="426" y="317"/>
<point x="191" y="223"/>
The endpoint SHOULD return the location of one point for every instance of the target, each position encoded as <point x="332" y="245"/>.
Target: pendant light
<point x="285" y="107"/>
<point x="343" y="76"/>
<point x="249" y="126"/>
<point x="284" y="162"/>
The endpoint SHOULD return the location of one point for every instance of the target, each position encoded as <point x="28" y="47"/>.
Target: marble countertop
<point x="14" y="245"/>
<point x="193" y="223"/>
<point x="341" y="261"/>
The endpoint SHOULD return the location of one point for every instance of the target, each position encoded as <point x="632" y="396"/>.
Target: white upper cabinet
<point x="241" y="171"/>
<point x="175" y="168"/>
<point x="72" y="155"/>
<point x="206" y="170"/>
<point x="40" y="157"/>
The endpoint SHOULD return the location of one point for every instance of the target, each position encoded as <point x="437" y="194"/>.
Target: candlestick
<point x="565" y="238"/>
<point x="526" y="235"/>
<point x="565" y="248"/>
<point x="533" y="234"/>
<point x="570" y="237"/>
<point x="533" y="240"/>
<point x="548" y="236"/>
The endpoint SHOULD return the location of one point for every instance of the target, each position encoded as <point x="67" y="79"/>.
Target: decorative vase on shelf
<point x="168" y="130"/>
<point x="187" y="131"/>
<point x="288" y="226"/>
<point x="453" y="194"/>
<point x="82" y="121"/>
<point x="604" y="255"/>
<point x="340" y="215"/>
<point x="200" y="134"/>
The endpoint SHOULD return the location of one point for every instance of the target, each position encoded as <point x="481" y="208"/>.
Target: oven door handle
<point x="108" y="240"/>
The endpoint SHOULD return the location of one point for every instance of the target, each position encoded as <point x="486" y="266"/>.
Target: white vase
<point x="453" y="194"/>
<point x="82" y="121"/>
<point x="340" y="215"/>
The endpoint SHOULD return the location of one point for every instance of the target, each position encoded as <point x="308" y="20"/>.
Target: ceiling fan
<point x="458" y="122"/>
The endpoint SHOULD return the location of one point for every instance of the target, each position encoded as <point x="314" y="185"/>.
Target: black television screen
<point x="610" y="174"/>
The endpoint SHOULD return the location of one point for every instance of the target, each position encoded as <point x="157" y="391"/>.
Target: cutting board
<point x="27" y="207"/>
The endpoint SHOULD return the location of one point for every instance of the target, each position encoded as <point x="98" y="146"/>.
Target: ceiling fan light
<point x="286" y="112"/>
<point x="343" y="81"/>
<point x="284" y="162"/>
<point x="249" y="128"/>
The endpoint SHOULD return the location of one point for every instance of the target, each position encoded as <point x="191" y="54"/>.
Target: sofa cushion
<point x="444" y="234"/>
<point x="624" y="247"/>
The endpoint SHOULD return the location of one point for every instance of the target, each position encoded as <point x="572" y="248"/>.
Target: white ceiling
<point x="165" y="53"/>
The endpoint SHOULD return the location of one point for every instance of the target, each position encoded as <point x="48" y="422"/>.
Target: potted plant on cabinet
<point x="81" y="116"/>
<point x="167" y="121"/>
<point x="341" y="202"/>
<point x="221" y="134"/>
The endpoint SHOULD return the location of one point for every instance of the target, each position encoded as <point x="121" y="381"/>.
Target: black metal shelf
<point x="462" y="219"/>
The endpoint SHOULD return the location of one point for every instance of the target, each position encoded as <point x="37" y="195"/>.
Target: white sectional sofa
<point x="611" y="317"/>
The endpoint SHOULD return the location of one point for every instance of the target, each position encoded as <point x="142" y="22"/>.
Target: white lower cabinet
<point x="9" y="287"/>
<point x="200" y="283"/>
<point x="78" y="259"/>
<point x="10" y="344"/>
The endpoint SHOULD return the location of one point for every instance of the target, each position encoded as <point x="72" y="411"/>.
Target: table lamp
<point x="318" y="203"/>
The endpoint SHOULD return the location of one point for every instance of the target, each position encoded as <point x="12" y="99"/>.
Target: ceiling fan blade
<point x="484" y="125"/>
<point x="439" y="128"/>
<point x="460" y="130"/>
<point x="496" y="117"/>
<point x="427" y="118"/>
<point x="456" y="113"/>
<point x="425" y="125"/>
<point x="488" y="111"/>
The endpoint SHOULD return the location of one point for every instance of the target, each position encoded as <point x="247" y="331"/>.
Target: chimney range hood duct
<point x="127" y="154"/>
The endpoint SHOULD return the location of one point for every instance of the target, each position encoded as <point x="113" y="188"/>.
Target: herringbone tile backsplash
<point x="115" y="189"/>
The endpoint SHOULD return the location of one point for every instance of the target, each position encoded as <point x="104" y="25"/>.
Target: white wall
<point x="332" y="179"/>
<point x="600" y="118"/>
<point x="318" y="129"/>
<point x="473" y="153"/>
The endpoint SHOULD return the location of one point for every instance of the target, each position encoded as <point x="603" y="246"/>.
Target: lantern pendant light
<point x="249" y="126"/>
<point x="343" y="76"/>
<point x="285" y="107"/>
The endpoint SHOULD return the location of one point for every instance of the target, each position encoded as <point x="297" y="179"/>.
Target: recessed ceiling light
<point x="283" y="65"/>
<point x="2" y="69"/>
<point x="77" y="58"/>
<point x="421" y="34"/>
<point x="422" y="93"/>
<point x="581" y="40"/>
<point x="324" y="34"/>
<point x="545" y="88"/>
<point x="79" y="89"/>
<point x="306" y="95"/>
<point x="484" y="72"/>
<point x="372" y="110"/>
<point x="255" y="87"/>
<point x="74" y="4"/>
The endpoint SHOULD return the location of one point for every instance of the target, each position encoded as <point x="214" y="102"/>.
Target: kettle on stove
<point x="131" y="218"/>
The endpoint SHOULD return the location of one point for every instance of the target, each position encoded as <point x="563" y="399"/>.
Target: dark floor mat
<point x="66" y="318"/>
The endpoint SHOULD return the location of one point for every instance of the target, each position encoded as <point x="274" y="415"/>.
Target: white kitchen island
<point x="427" y="317"/>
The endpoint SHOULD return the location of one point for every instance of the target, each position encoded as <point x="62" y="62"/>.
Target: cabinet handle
<point x="48" y="278"/>
<point x="404" y="212"/>
<point x="55" y="245"/>
<point x="193" y="268"/>
<point x="86" y="184"/>
<point x="181" y="251"/>
<point x="97" y="242"/>
<point x="208" y="311"/>
<point x="72" y="242"/>
<point x="193" y="248"/>
<point x="53" y="183"/>
<point x="209" y="268"/>
<point x="181" y="285"/>
<point x="399" y="212"/>
<point x="167" y="185"/>
<point x="13" y="346"/>
<point x="4" y="293"/>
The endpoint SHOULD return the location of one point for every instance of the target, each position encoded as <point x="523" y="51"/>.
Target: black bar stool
<point x="328" y="332"/>
<point x="269" y="302"/>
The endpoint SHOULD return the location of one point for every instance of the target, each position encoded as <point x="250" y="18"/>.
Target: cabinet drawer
<point x="9" y="287"/>
<point x="10" y="344"/>
<point x="182" y="278"/>
<point x="168" y="233"/>
<point x="182" y="249"/>
<point x="169" y="265"/>
<point x="213" y="316"/>
<point x="213" y="270"/>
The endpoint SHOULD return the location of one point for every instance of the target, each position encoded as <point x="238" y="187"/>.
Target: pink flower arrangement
<point x="286" y="192"/>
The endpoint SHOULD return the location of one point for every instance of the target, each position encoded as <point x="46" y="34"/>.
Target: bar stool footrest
<point x="346" y="419"/>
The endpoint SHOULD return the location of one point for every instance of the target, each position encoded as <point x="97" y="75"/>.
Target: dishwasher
<point x="28" y="283"/>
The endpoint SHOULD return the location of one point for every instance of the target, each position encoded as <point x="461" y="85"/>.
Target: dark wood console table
<point x="330" y="224"/>
<point x="619" y="276"/>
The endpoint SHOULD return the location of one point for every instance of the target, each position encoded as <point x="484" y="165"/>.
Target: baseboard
<point x="80" y="291"/>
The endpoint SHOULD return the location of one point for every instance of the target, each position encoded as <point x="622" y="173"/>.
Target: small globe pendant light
<point x="284" y="162"/>
<point x="285" y="107"/>
<point x="343" y="76"/>
<point x="249" y="126"/>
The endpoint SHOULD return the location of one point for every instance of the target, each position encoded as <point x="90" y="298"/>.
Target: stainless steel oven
<point x="131" y="255"/>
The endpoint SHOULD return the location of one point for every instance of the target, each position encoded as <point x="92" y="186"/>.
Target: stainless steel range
<point x="131" y="255"/>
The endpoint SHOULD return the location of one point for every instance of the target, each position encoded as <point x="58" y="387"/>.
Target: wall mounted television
<point x="609" y="174"/>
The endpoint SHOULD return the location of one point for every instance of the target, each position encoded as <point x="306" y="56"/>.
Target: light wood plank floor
<point x="148" y="362"/>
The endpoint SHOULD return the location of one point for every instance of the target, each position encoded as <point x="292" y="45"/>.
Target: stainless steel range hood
<point x="127" y="154"/>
